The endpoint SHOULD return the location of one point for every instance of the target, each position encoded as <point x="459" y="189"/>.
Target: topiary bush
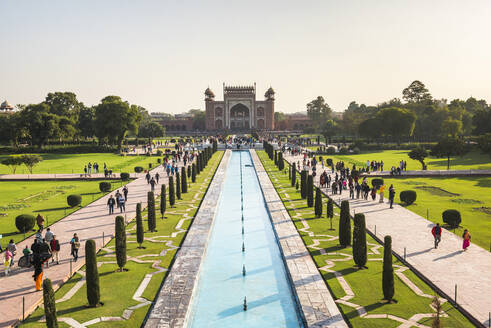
<point x="159" y="153"/>
<point x="105" y="186"/>
<point x="343" y="151"/>
<point x="138" y="169"/>
<point x="24" y="222"/>
<point x="330" y="151"/>
<point x="408" y="196"/>
<point x="377" y="182"/>
<point x="329" y="162"/>
<point x="74" y="200"/>
<point x="356" y="150"/>
<point x="125" y="176"/>
<point x="452" y="218"/>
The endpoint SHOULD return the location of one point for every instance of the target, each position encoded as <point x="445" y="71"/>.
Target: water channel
<point x="243" y="267"/>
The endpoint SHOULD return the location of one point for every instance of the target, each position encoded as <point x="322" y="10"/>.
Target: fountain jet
<point x="243" y="247"/>
<point x="243" y="270"/>
<point x="245" y="303"/>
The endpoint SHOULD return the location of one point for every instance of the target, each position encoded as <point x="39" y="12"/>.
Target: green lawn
<point x="365" y="284"/>
<point x="45" y="197"/>
<point x="471" y="196"/>
<point x="473" y="160"/>
<point x="74" y="163"/>
<point x="117" y="299"/>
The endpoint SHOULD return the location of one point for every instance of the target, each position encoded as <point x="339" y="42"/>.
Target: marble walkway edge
<point x="171" y="307"/>
<point x="313" y="296"/>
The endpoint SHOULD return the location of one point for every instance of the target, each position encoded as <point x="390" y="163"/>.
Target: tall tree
<point x="419" y="154"/>
<point x="92" y="274"/>
<point x="344" y="225"/>
<point x="85" y="122"/>
<point x="184" y="181"/>
<point x="63" y="104"/>
<point x="139" y="225"/>
<point x="318" y="203"/>
<point x="310" y="190"/>
<point x="330" y="211"/>
<point x="172" y="196"/>
<point x="178" y="185"/>
<point x="451" y="127"/>
<point x="396" y="122"/>
<point x="151" y="130"/>
<point x="120" y="242"/>
<point x="152" y="223"/>
<point x="163" y="201"/>
<point x="40" y="124"/>
<point x="416" y="92"/>
<point x="359" y="241"/>
<point x="49" y="304"/>
<point x="318" y="111"/>
<point x="294" y="174"/>
<point x="449" y="147"/>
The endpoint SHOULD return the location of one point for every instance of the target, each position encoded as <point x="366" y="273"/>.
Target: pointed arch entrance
<point x="239" y="117"/>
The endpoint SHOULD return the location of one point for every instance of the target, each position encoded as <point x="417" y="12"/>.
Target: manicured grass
<point x="436" y="195"/>
<point x="365" y="284"/>
<point x="118" y="288"/>
<point x="47" y="198"/>
<point x="472" y="160"/>
<point x="74" y="163"/>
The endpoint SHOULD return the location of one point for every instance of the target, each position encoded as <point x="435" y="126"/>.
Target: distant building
<point x="295" y="122"/>
<point x="178" y="123"/>
<point x="6" y="108"/>
<point x="239" y="110"/>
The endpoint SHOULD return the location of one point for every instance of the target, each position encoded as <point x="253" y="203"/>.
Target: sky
<point x="162" y="55"/>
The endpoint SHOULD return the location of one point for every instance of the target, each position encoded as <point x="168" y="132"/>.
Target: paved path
<point x="90" y="222"/>
<point x="446" y="267"/>
<point x="431" y="173"/>
<point x="63" y="176"/>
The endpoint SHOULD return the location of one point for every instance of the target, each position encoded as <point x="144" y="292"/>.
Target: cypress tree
<point x="151" y="211"/>
<point x="330" y="210"/>
<point x="289" y="172"/>
<point x="184" y="181"/>
<point x="172" y="196"/>
<point x="303" y="184"/>
<point x="139" y="225"/>
<point x="120" y="242"/>
<point x="281" y="163"/>
<point x="344" y="225"/>
<point x="310" y="191"/>
<point x="294" y="174"/>
<point x="193" y="173"/>
<point x="49" y="304"/>
<point x="189" y="171"/>
<point x="318" y="203"/>
<point x="163" y="200"/>
<point x="388" y="271"/>
<point x="276" y="157"/>
<point x="178" y="185"/>
<point x="91" y="274"/>
<point x="359" y="241"/>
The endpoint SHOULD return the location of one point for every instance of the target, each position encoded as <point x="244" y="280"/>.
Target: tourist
<point x="13" y="250"/>
<point x="75" y="244"/>
<point x="37" y="262"/>
<point x="358" y="190"/>
<point x="467" y="239"/>
<point x="85" y="170"/>
<point x="147" y="176"/>
<point x="8" y="261"/>
<point x="121" y="203"/>
<point x="110" y="204"/>
<point x="437" y="234"/>
<point x="35" y="247"/>
<point x="26" y="251"/>
<point x="157" y="177"/>
<point x="392" y="194"/>
<point x="55" y="248"/>
<point x="125" y="193"/>
<point x="152" y="184"/>
<point x="381" y="193"/>
<point x="89" y="166"/>
<point x="44" y="250"/>
<point x="40" y="221"/>
<point x="118" y="194"/>
<point x="48" y="236"/>
<point x="374" y="193"/>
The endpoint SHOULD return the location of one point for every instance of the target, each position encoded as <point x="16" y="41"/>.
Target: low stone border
<point x="315" y="300"/>
<point x="171" y="304"/>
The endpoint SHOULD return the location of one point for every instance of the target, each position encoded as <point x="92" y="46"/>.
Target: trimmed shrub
<point x="189" y="171"/>
<point x="159" y="160"/>
<point x="74" y="200"/>
<point x="105" y="186"/>
<point x="184" y="182"/>
<point x="178" y="185"/>
<point x="172" y="195"/>
<point x="294" y="174"/>
<point x="92" y="274"/>
<point x="330" y="208"/>
<point x="388" y="270"/>
<point x="377" y="182"/>
<point x="151" y="211"/>
<point x="159" y="153"/>
<point x="25" y="222"/>
<point x="120" y="242"/>
<point x="163" y="200"/>
<point x="193" y="173"/>
<point x="452" y="218"/>
<point x="138" y="169"/>
<point x="139" y="225"/>
<point x="303" y="184"/>
<point x="125" y="176"/>
<point x="329" y="162"/>
<point x="359" y="240"/>
<point x="330" y="150"/>
<point x="281" y="163"/>
<point x="343" y="151"/>
<point x="318" y="203"/>
<point x="408" y="196"/>
<point x="344" y="225"/>
<point x="49" y="304"/>
<point x="276" y="157"/>
<point x="356" y="150"/>
<point x="310" y="190"/>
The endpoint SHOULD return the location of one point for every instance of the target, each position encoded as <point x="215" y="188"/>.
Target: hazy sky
<point x="163" y="54"/>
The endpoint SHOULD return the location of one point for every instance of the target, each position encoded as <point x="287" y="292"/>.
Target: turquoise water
<point x="222" y="287"/>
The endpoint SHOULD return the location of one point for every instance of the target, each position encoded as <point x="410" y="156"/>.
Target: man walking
<point x="121" y="204"/>
<point x="110" y="204"/>
<point x="48" y="236"/>
<point x="437" y="234"/>
<point x="157" y="177"/>
<point x="55" y="248"/>
<point x="152" y="184"/>
<point x="392" y="194"/>
<point x="125" y="193"/>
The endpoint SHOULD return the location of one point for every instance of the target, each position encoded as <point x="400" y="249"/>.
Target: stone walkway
<point x="430" y="173"/>
<point x="63" y="176"/>
<point x="90" y="222"/>
<point x="448" y="267"/>
<point x="174" y="298"/>
<point x="315" y="300"/>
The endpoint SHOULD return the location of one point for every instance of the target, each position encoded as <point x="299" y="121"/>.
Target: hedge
<point x="124" y="176"/>
<point x="452" y="218"/>
<point x="74" y="200"/>
<point x="138" y="169"/>
<point x="105" y="186"/>
<point x="24" y="222"/>
<point x="408" y="196"/>
<point x="377" y="182"/>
